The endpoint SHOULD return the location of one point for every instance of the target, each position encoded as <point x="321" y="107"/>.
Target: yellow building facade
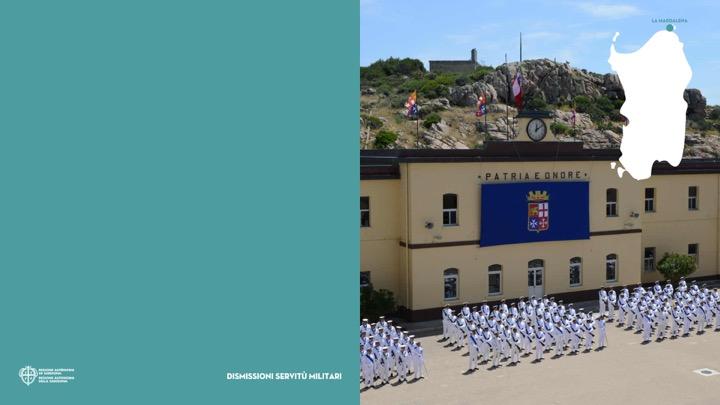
<point x="421" y="224"/>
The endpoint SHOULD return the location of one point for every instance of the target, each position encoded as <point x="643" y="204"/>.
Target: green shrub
<point x="384" y="89"/>
<point x="384" y="139"/>
<point x="461" y="80"/>
<point x="398" y="101"/>
<point x="431" y="119"/>
<point x="537" y="102"/>
<point x="714" y="113"/>
<point x="372" y="122"/>
<point x="604" y="104"/>
<point x="618" y="103"/>
<point x="559" y="128"/>
<point x="676" y="265"/>
<point x="480" y="73"/>
<point x="582" y="104"/>
<point x="376" y="303"/>
<point x="390" y="67"/>
<point x="447" y="79"/>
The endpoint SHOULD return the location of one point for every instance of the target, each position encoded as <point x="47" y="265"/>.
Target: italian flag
<point x="517" y="89"/>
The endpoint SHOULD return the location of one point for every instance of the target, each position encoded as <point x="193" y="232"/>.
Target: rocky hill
<point x="448" y="101"/>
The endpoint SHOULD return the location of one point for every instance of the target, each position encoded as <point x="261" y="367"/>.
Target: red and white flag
<point x="517" y="89"/>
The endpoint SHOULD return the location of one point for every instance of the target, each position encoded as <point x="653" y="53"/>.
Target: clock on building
<point x="534" y="126"/>
<point x="536" y="129"/>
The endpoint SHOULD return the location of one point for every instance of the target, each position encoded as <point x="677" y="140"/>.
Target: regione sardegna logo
<point x="28" y="375"/>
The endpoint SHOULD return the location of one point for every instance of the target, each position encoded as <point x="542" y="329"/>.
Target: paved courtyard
<point x="625" y="372"/>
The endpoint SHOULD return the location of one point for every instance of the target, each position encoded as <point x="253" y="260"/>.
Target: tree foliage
<point x="431" y="119"/>
<point x="559" y="128"/>
<point x="384" y="139"/>
<point x="537" y="102"/>
<point x="676" y="265"/>
<point x="390" y="67"/>
<point x="372" y="122"/>
<point x="374" y="303"/>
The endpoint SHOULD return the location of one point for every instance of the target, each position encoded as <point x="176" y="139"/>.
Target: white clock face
<point x="536" y="129"/>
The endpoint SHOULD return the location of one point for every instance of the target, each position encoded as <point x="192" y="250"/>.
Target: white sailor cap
<point x="411" y="337"/>
<point x="365" y="320"/>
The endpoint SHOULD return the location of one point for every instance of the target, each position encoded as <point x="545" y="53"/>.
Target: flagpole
<point x="507" y="103"/>
<point x="521" y="75"/>
<point x="486" y="114"/>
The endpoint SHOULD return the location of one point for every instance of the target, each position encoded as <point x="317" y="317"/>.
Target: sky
<point x="579" y="32"/>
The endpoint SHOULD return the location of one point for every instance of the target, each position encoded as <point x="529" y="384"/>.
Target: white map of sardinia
<point x="654" y="78"/>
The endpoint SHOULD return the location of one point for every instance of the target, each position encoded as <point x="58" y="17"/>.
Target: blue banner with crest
<point x="533" y="212"/>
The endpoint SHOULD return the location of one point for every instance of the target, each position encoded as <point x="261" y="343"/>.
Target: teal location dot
<point x="670" y="27"/>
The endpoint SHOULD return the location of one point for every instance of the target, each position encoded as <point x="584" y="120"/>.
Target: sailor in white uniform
<point x="602" y="337"/>
<point x="539" y="344"/>
<point x="687" y="319"/>
<point x="612" y="301"/>
<point x="446" y="314"/>
<point x="486" y="344"/>
<point x="496" y="347"/>
<point x="515" y="342"/>
<point x="368" y="368"/>
<point x="589" y="333"/>
<point x="575" y="337"/>
<point x="473" y="348"/>
<point x="664" y="317"/>
<point x="602" y="300"/>
<point x="622" y="308"/>
<point x="646" y="326"/>
<point x="419" y="361"/>
<point x="403" y="363"/>
<point x="385" y="362"/>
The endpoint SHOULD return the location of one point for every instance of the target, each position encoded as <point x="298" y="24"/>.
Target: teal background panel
<point x="178" y="199"/>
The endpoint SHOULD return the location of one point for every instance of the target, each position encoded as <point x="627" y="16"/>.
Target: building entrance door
<point x="535" y="281"/>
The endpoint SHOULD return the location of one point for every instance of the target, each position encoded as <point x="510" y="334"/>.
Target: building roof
<point x="384" y="164"/>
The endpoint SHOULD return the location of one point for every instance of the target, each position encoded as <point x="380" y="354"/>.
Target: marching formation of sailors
<point x="386" y="351"/>
<point x="521" y="329"/>
<point x="654" y="310"/>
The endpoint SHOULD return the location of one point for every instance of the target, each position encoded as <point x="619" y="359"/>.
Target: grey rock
<point x="696" y="104"/>
<point x="463" y="96"/>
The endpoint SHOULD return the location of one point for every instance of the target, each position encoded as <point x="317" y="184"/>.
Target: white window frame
<point x="448" y="274"/>
<point x="613" y="204"/>
<point x="654" y="260"/>
<point x="614" y="261"/>
<point x="452" y="212"/>
<point x="365" y="210"/>
<point x="650" y="200"/>
<point x="693" y="200"/>
<point x="578" y="265"/>
<point x="495" y="269"/>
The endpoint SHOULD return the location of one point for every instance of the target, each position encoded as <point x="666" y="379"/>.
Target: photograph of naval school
<point x="502" y="259"/>
<point x="522" y="219"/>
